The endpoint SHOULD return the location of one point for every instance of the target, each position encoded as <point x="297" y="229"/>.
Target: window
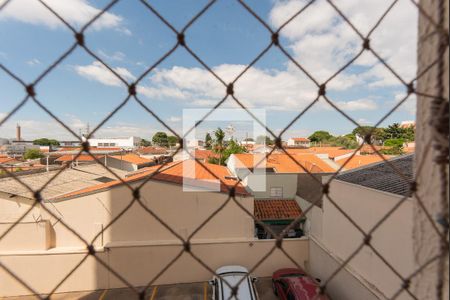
<point x="276" y="192"/>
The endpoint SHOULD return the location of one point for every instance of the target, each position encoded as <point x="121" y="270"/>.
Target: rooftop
<point x="70" y="179"/>
<point x="279" y="209"/>
<point x="382" y="176"/>
<point x="172" y="173"/>
<point x="132" y="158"/>
<point x="82" y="157"/>
<point x="283" y="163"/>
<point x="357" y="161"/>
<point x="152" y="150"/>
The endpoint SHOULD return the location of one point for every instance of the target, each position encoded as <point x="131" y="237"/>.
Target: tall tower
<point x="18" y="133"/>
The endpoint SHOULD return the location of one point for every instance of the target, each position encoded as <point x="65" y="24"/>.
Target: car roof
<point x="231" y="269"/>
<point x="244" y="290"/>
<point x="304" y="287"/>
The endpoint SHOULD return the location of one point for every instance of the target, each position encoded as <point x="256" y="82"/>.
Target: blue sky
<point x="130" y="38"/>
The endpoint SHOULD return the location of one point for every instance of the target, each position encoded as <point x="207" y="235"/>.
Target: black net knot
<point x="322" y="90"/>
<point x="91" y="250"/>
<point x="230" y="89"/>
<point x="30" y="90"/>
<point x="366" y="44"/>
<point x="406" y="283"/>
<point x="180" y="38"/>
<point x="187" y="246"/>
<point x="367" y="240"/>
<point x="278" y="143"/>
<point x="326" y="188"/>
<point x="37" y="196"/>
<point x="232" y="192"/>
<point x="136" y="193"/>
<point x="132" y="89"/>
<point x="410" y="88"/>
<point x="279" y="242"/>
<point x="275" y="40"/>
<point x="80" y="38"/>
<point x="85" y="145"/>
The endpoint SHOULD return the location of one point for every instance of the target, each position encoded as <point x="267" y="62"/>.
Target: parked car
<point x="233" y="275"/>
<point x="295" y="284"/>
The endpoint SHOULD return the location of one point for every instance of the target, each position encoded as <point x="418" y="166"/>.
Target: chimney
<point x="18" y="133"/>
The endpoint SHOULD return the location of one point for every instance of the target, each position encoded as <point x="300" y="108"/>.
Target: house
<point x="357" y="161"/>
<point x="77" y="160"/>
<point x="152" y="152"/>
<point x="277" y="214"/>
<point x="128" y="162"/>
<point x="366" y="195"/>
<point x="299" y="142"/>
<point x="128" y="143"/>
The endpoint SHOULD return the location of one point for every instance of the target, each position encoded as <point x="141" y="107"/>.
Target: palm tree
<point x="218" y="147"/>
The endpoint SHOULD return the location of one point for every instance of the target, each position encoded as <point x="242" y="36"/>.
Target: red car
<point x="295" y="284"/>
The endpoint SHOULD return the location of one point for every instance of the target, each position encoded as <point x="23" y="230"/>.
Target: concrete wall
<point x="393" y="239"/>
<point x="432" y="191"/>
<point x="260" y="185"/>
<point x="184" y="211"/>
<point x="139" y="264"/>
<point x="310" y="189"/>
<point x="120" y="164"/>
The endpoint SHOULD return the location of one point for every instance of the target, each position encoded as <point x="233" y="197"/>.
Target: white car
<point x="232" y="275"/>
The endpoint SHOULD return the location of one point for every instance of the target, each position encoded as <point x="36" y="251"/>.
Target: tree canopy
<point x="172" y="140"/>
<point x="145" y="143"/>
<point x="320" y="136"/>
<point x="46" y="142"/>
<point x="161" y="139"/>
<point x="33" y="154"/>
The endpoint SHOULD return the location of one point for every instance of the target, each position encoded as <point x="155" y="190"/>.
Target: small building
<point x="299" y="142"/>
<point x="277" y="214"/>
<point x="128" y="162"/>
<point x="131" y="142"/>
<point x="152" y="152"/>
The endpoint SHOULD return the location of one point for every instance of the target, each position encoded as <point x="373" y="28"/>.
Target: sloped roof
<point x="361" y="160"/>
<point x="278" y="209"/>
<point x="382" y="176"/>
<point x="300" y="139"/>
<point x="82" y="157"/>
<point x="282" y="163"/>
<point x="152" y="150"/>
<point x="173" y="173"/>
<point x="132" y="158"/>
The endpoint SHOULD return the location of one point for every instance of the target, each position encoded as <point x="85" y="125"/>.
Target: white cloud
<point x="116" y="56"/>
<point x="174" y="119"/>
<point x="354" y="105"/>
<point x="98" y="72"/>
<point x="323" y="42"/>
<point x="33" y="62"/>
<point x="75" y="12"/>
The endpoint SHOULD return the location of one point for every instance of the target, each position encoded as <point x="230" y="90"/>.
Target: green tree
<point x="264" y="139"/>
<point x="218" y="146"/>
<point x="344" y="142"/>
<point x="172" y="140"/>
<point x="394" y="131"/>
<point x="233" y="147"/>
<point x="320" y="136"/>
<point x="378" y="135"/>
<point x="160" y="138"/>
<point x="145" y="143"/>
<point x="45" y="142"/>
<point x="208" y="141"/>
<point x="33" y="154"/>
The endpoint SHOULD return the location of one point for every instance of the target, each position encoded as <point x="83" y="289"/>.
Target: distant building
<point x="195" y="143"/>
<point x="125" y="143"/>
<point x="407" y="124"/>
<point x="299" y="142"/>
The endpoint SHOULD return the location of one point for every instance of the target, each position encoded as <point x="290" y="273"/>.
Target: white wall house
<point x="299" y="142"/>
<point x="126" y="143"/>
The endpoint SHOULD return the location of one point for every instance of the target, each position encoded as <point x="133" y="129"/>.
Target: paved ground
<point x="193" y="291"/>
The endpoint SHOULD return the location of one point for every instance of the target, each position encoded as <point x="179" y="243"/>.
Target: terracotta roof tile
<point x="277" y="209"/>
<point x="152" y="150"/>
<point x="361" y="160"/>
<point x="173" y="173"/>
<point x="282" y="163"/>
<point x="300" y="139"/>
<point x="82" y="157"/>
<point x="132" y="158"/>
<point x="4" y="160"/>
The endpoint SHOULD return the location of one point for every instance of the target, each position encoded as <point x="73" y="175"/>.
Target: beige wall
<point x="393" y="239"/>
<point x="263" y="183"/>
<point x="184" y="211"/>
<point x="139" y="264"/>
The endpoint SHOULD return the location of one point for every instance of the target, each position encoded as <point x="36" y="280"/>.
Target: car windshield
<point x="245" y="290"/>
